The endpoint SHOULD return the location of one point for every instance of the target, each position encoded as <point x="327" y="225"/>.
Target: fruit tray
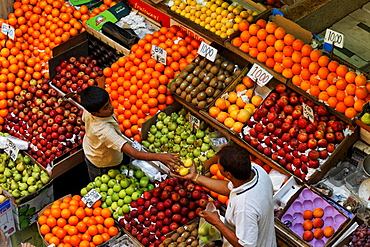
<point x="202" y="81"/>
<point x="281" y="130"/>
<point x="295" y="214"/>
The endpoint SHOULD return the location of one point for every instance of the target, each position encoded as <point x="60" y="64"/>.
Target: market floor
<point x="71" y="182"/>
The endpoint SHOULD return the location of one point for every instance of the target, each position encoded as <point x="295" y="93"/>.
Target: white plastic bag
<point x="206" y="231"/>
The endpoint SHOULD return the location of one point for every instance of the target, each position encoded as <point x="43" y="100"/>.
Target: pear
<point x="145" y="143"/>
<point x="162" y="115"/>
<point x="165" y="131"/>
<point x="13" y="185"/>
<point x="11" y="164"/>
<point x="159" y="125"/>
<point x="181" y="120"/>
<point x="171" y="135"/>
<point x="157" y="135"/>
<point x="16" y="193"/>
<point x="182" y="112"/>
<point x="172" y="126"/>
<point x="189" y="156"/>
<point x="176" y="148"/>
<point x="183" y="144"/>
<point x="200" y="134"/>
<point x="184" y="135"/>
<point x="22" y="186"/>
<point x="210" y="153"/>
<point x="2" y="167"/>
<point x="157" y="144"/>
<point x="45" y="179"/>
<point x="164" y="148"/>
<point x="191" y="139"/>
<point x="36" y="168"/>
<point x="174" y="116"/>
<point x="17" y="177"/>
<point x="153" y="129"/>
<point x="366" y="118"/>
<point x="36" y="175"/>
<point x="167" y="120"/>
<point x="152" y="148"/>
<point x="2" y="199"/>
<point x="213" y="231"/>
<point x="177" y="139"/>
<point x="19" y="158"/>
<point x="7" y="172"/>
<point x="183" y="152"/>
<point x="196" y="152"/>
<point x="179" y="130"/>
<point x="21" y="166"/>
<point x="24" y="193"/>
<point x="26" y="159"/>
<point x="150" y="138"/>
<point x="205" y="147"/>
<point x="204" y="229"/>
<point x="2" y="178"/>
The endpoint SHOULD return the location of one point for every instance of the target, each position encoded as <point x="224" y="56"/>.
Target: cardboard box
<point x="27" y="235"/>
<point x="6" y="218"/>
<point x="157" y="12"/>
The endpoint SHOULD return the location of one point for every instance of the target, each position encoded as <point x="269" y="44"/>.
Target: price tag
<point x="51" y="245"/>
<point x="136" y="145"/>
<point x="11" y="149"/>
<point x="218" y="141"/>
<point x="207" y="51"/>
<point x="259" y="75"/>
<point x="159" y="54"/>
<point x="333" y="37"/>
<point x="194" y="121"/>
<point x="91" y="197"/>
<point x="8" y="30"/>
<point x="308" y="112"/>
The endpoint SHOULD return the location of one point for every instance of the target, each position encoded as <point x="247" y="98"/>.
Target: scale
<point x="364" y="191"/>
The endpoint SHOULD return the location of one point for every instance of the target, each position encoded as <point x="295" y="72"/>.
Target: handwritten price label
<point x="333" y="37"/>
<point x="11" y="149"/>
<point x="194" y="121"/>
<point x="259" y="75"/>
<point x="207" y="51"/>
<point x="7" y="30"/>
<point x="159" y="54"/>
<point x="308" y="112"/>
<point x="91" y="197"/>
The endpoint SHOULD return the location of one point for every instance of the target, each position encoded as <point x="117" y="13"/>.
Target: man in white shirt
<point x="249" y="217"/>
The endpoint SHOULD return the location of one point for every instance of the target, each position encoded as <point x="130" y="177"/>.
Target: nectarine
<point x="307" y="236"/>
<point x="318" y="212"/>
<point x="318" y="233"/>
<point x="307" y="225"/>
<point x="307" y="215"/>
<point x="318" y="223"/>
<point x="328" y="231"/>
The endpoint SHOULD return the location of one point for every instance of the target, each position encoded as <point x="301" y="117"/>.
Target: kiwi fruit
<point x="220" y="85"/>
<point x="191" y="227"/>
<point x="230" y="67"/>
<point x="197" y="60"/>
<point x="202" y="104"/>
<point x="208" y="66"/>
<point x="178" y="91"/>
<point x="183" y="94"/>
<point x="202" y="74"/>
<point x="188" y="98"/>
<point x="213" y="82"/>
<point x="180" y="239"/>
<point x="174" y="237"/>
<point x="178" y="81"/>
<point x="194" y="232"/>
<point x="208" y="78"/>
<point x="216" y="93"/>
<point x="202" y="62"/>
<point x="224" y="64"/>
<point x="215" y="69"/>
<point x="180" y="230"/>
<point x="184" y="85"/>
<point x="210" y="91"/>
<point x="172" y="245"/>
<point x="185" y="234"/>
<point x="195" y="243"/>
<point x="195" y="101"/>
<point x="173" y="88"/>
<point x="209" y="100"/>
<point x="183" y="74"/>
<point x="228" y="80"/>
<point x="221" y="77"/>
<point x="195" y="82"/>
<point x="189" y="88"/>
<point x="194" y="92"/>
<point x="197" y="70"/>
<point x="237" y="72"/>
<point x="190" y="77"/>
<point x="182" y="244"/>
<point x="202" y="86"/>
<point x="201" y="96"/>
<point x="190" y="67"/>
<point x="166" y="242"/>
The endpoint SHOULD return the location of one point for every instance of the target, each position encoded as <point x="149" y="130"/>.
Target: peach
<point x="328" y="231"/>
<point x="318" y="212"/>
<point x="307" y="215"/>
<point x="318" y="233"/>
<point x="307" y="236"/>
<point x="307" y="225"/>
<point x="318" y="223"/>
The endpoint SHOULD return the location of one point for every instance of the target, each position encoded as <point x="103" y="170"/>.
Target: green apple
<point x="115" y="197"/>
<point x="104" y="187"/>
<point x="90" y="186"/>
<point x="115" y="215"/>
<point x="104" y="205"/>
<point x="83" y="191"/>
<point x="109" y="201"/>
<point x="98" y="182"/>
<point x="110" y="192"/>
<point x="122" y="194"/>
<point x="114" y="206"/>
<point x="126" y="208"/>
<point x="113" y="172"/>
<point x="139" y="174"/>
<point x="120" y="211"/>
<point x="150" y="186"/>
<point x="144" y="181"/>
<point x="135" y="195"/>
<point x="125" y="183"/>
<point x="120" y="176"/>
<point x="105" y="178"/>
<point x="103" y="196"/>
<point x="127" y="199"/>
<point x="97" y="190"/>
<point x="120" y="202"/>
<point x="111" y="182"/>
<point x="117" y="187"/>
<point x="130" y="190"/>
<point x="122" y="168"/>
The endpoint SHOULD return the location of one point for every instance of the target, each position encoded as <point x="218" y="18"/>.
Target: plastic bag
<point x="206" y="231"/>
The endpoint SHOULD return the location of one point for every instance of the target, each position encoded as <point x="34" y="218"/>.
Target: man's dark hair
<point x="236" y="160"/>
<point x="94" y="98"/>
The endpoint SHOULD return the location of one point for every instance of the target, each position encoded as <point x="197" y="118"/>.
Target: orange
<point x="253" y="29"/>
<point x="361" y="92"/>
<point x="97" y="239"/>
<point x="350" y="112"/>
<point x="44" y="229"/>
<point x="332" y="102"/>
<point x="323" y="96"/>
<point x="112" y="231"/>
<point x="349" y="100"/>
<point x="332" y="90"/>
<point x="108" y="222"/>
<point x="271" y="27"/>
<point x="359" y="105"/>
<point x="51" y="221"/>
<point x="289" y="39"/>
<point x="315" y="55"/>
<point x="342" y="70"/>
<point x="333" y="65"/>
<point x="213" y="169"/>
<point x="223" y="199"/>
<point x="280" y="33"/>
<point x="306" y="50"/>
<point x="323" y="73"/>
<point x="222" y="116"/>
<point x="360" y="80"/>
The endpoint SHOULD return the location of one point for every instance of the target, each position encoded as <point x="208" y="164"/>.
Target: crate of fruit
<point x="314" y="219"/>
<point x="202" y="81"/>
<point x="300" y="136"/>
<point x="70" y="210"/>
<point x="217" y="20"/>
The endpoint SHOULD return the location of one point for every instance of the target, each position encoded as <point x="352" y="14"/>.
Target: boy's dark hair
<point x="236" y="160"/>
<point x="94" y="98"/>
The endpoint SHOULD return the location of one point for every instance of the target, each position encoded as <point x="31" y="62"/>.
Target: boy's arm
<point x="169" y="159"/>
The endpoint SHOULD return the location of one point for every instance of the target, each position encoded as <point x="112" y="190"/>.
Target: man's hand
<point x="211" y="217"/>
<point x="169" y="159"/>
<point x="190" y="176"/>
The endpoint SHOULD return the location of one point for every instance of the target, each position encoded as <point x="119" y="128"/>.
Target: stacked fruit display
<point x="280" y="130"/>
<point x="137" y="84"/>
<point x="337" y="85"/>
<point x="119" y="188"/>
<point x="174" y="134"/>
<point x="219" y="16"/>
<point x="76" y="74"/>
<point x="20" y="177"/>
<point x="360" y="237"/>
<point x="202" y="81"/>
<point x="169" y="205"/>
<point x="313" y="220"/>
<point x="184" y="236"/>
<point x="53" y="126"/>
<point x="235" y="108"/>
<point x="68" y="221"/>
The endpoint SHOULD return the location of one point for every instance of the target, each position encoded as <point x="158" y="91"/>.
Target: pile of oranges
<point x="216" y="174"/>
<point x="234" y="110"/>
<point x="137" y="84"/>
<point x="69" y="223"/>
<point x="332" y="83"/>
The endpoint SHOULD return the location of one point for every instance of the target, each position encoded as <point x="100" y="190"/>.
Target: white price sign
<point x="207" y="51"/>
<point x="159" y="54"/>
<point x="308" y="112"/>
<point x="194" y="121"/>
<point x="11" y="149"/>
<point x="333" y="37"/>
<point x="7" y="30"/>
<point x="91" y="197"/>
<point x="259" y="75"/>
